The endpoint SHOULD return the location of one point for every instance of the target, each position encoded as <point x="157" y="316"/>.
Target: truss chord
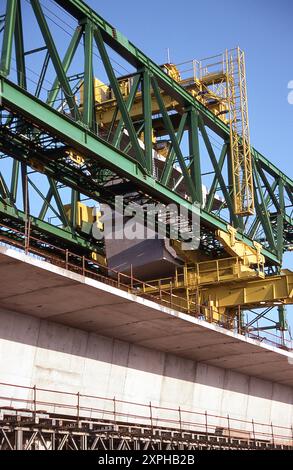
<point x="151" y="114"/>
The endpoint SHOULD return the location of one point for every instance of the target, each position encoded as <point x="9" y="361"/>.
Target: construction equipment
<point x="156" y="135"/>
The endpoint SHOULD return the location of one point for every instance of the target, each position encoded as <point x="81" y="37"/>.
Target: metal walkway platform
<point x="35" y="287"/>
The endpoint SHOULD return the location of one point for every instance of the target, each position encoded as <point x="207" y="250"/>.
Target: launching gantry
<point x="141" y="136"/>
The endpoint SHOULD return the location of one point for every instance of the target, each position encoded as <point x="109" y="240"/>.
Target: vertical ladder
<point x="242" y="177"/>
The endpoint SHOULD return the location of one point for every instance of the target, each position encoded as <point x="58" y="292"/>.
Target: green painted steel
<point x="134" y="162"/>
<point x="218" y="172"/>
<point x="88" y="90"/>
<point x="128" y="105"/>
<point x="92" y="146"/>
<point x="55" y="234"/>
<point x="120" y="101"/>
<point x="215" y="182"/>
<point x="194" y="153"/>
<point x="174" y="141"/>
<point x="147" y="115"/>
<point x="262" y="211"/>
<point x="120" y="43"/>
<point x="9" y="27"/>
<point x="66" y="63"/>
<point x="166" y="175"/>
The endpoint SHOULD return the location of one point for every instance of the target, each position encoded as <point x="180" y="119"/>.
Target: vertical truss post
<point x="73" y="212"/>
<point x="280" y="221"/>
<point x="147" y="114"/>
<point x="14" y="180"/>
<point x="215" y="182"/>
<point x="119" y="98"/>
<point x="18" y="434"/>
<point x="194" y="154"/>
<point x="55" y="58"/>
<point x="25" y="195"/>
<point x="9" y="28"/>
<point x="88" y="98"/>
<point x="19" y="48"/>
<point x="282" y="314"/>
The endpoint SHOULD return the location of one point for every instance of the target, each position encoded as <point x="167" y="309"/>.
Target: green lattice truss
<point x="41" y="121"/>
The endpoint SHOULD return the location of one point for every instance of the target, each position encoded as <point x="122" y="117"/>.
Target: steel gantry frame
<point x="83" y="424"/>
<point x="37" y="134"/>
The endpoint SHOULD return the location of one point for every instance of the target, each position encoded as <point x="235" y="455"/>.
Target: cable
<point x="72" y="28"/>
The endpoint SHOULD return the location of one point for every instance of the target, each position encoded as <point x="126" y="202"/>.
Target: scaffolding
<point x="239" y="133"/>
<point x="35" y="418"/>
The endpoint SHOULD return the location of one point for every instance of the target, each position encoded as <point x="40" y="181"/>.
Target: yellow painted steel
<point x="219" y="83"/>
<point x="272" y="290"/>
<point x="102" y="260"/>
<point x="105" y="109"/>
<point x="85" y="215"/>
<point x="205" y="273"/>
<point x="239" y="133"/>
<point x="75" y="157"/>
<point x="218" y="289"/>
<point x="106" y="102"/>
<point x="249" y="255"/>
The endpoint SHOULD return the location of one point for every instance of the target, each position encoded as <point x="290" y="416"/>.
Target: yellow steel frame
<point x="218" y="289"/>
<point x="239" y="133"/>
<point x="273" y="290"/>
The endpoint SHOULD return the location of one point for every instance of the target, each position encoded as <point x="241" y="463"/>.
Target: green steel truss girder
<point x="139" y="170"/>
<point x="93" y="147"/>
<point x="135" y="56"/>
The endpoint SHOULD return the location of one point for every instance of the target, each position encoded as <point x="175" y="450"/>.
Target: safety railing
<point x="208" y="272"/>
<point x="167" y="297"/>
<point x="83" y="407"/>
<point x="84" y="266"/>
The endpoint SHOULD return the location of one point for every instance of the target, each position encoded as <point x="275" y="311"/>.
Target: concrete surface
<point x="61" y="330"/>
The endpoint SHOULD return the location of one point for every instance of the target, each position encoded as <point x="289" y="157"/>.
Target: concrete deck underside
<point x="32" y="286"/>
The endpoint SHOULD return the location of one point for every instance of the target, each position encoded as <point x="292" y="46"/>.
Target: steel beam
<point x="93" y="147"/>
